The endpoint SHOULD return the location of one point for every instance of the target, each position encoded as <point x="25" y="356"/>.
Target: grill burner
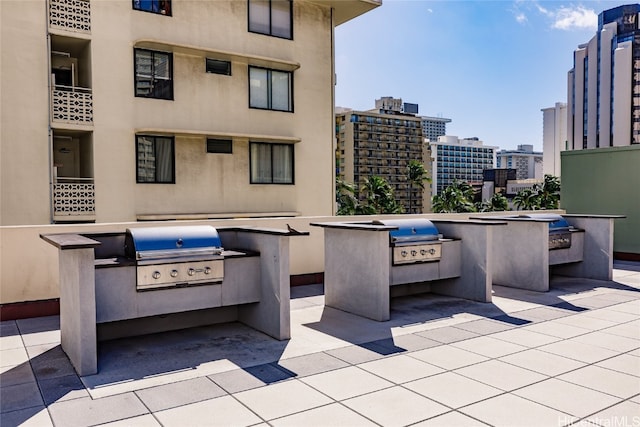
<point x="175" y="256"/>
<point x="415" y="240"/>
<point x="559" y="230"/>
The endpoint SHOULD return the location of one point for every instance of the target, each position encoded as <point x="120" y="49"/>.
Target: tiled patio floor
<point x="571" y="355"/>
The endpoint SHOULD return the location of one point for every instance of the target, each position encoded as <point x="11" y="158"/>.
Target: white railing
<point x="73" y="197"/>
<point x="70" y="15"/>
<point x="72" y="105"/>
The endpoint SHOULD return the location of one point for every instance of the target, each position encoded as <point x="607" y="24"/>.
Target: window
<point x="271" y="163"/>
<point x="271" y="17"/>
<point x="218" y="67"/>
<point x="162" y="7"/>
<point x="270" y="89"/>
<point x="220" y="146"/>
<point x="155" y="159"/>
<point x="153" y="74"/>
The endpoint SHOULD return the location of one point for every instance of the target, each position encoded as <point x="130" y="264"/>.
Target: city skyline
<point x="490" y="66"/>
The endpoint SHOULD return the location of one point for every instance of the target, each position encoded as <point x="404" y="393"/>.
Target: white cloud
<point x="566" y="18"/>
<point x="561" y="18"/>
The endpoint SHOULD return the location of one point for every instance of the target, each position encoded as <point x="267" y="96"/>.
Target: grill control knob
<point x="174" y="273"/>
<point x="432" y="251"/>
<point x="191" y="272"/>
<point x="423" y="252"/>
<point x="207" y="270"/>
<point x="403" y="253"/>
<point x="414" y="252"/>
<point x="156" y="275"/>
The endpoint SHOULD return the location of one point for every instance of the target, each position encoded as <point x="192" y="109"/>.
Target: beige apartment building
<point x="120" y="110"/>
<point x="381" y="142"/>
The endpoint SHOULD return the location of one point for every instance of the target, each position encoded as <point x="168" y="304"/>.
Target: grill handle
<point x="174" y="254"/>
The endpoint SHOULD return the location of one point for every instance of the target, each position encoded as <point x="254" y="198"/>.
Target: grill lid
<point x="410" y="230"/>
<point x="173" y="241"/>
<point x="558" y="223"/>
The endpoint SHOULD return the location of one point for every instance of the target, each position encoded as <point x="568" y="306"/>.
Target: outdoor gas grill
<point x="175" y="256"/>
<point x="559" y="230"/>
<point x="416" y="240"/>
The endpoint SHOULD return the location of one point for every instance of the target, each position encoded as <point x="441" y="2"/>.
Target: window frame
<point x="271" y="145"/>
<point x="173" y="159"/>
<point x="270" y="89"/>
<point x="160" y="9"/>
<point x="270" y="33"/>
<point x="135" y="73"/>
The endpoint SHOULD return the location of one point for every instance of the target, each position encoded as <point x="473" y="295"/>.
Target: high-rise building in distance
<point x="554" y="137"/>
<point x="604" y="84"/>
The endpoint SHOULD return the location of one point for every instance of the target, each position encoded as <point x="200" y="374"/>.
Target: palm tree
<point x="416" y="175"/>
<point x="455" y="198"/>
<point x="526" y="199"/>
<point x="379" y="197"/>
<point x="497" y="203"/>
<point x="346" y="200"/>
<point x="549" y="192"/>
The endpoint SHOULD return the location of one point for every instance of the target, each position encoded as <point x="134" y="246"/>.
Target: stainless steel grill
<point x="559" y="230"/>
<point x="175" y="256"/>
<point x="416" y="240"/>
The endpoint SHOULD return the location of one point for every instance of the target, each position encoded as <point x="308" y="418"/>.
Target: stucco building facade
<point x="118" y="111"/>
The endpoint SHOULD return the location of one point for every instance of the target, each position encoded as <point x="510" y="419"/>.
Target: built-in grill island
<point x="175" y="256"/>
<point x="535" y="246"/>
<point x="156" y="278"/>
<point x="367" y="263"/>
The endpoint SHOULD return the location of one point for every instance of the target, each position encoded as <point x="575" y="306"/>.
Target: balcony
<point x="70" y="15"/>
<point x="74" y="200"/>
<point x="72" y="105"/>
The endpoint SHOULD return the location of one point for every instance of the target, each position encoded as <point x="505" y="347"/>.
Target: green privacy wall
<point x="605" y="181"/>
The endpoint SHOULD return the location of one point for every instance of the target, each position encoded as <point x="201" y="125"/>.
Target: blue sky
<point x="490" y="66"/>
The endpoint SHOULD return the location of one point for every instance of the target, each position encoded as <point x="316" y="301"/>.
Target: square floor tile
<point x="500" y="375"/>
<point x="13" y="357"/>
<point x="31" y="417"/>
<point x="555" y="329"/>
<point x="395" y="406"/>
<point x="400" y="369"/>
<point x="221" y="411"/>
<point x="38" y="338"/>
<point x="448" y="357"/>
<point x="13" y="375"/>
<point x="623" y="414"/>
<point x="489" y="347"/>
<point x="447" y="334"/>
<point x="609" y="341"/>
<point x="542" y="362"/>
<point x="237" y="380"/>
<point x="311" y="364"/>
<point x="355" y="354"/>
<point x="581" y="352"/>
<point x="542" y="313"/>
<point x="604" y="380"/>
<point x="450" y="419"/>
<point x="87" y="411"/>
<point x="179" y="393"/>
<point x="410" y="342"/>
<point x="62" y="388"/>
<point x="632" y="307"/>
<point x="525" y="337"/>
<point x="10" y="342"/>
<point x="38" y="324"/>
<point x="330" y="415"/>
<point x="610" y="315"/>
<point x="20" y="396"/>
<point x="346" y="382"/>
<point x="625" y="363"/>
<point x="628" y="330"/>
<point x="285" y="398"/>
<point x="586" y="322"/>
<point x="510" y="411"/>
<point x="566" y="397"/>
<point x="147" y="420"/>
<point x="484" y="326"/>
<point x="452" y="389"/>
